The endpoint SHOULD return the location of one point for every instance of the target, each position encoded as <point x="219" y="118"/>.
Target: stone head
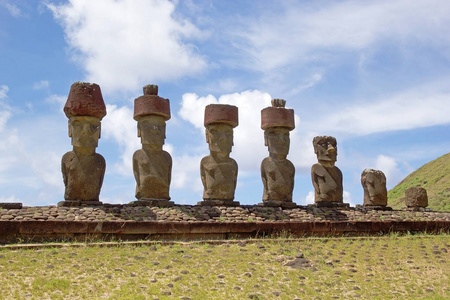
<point x="85" y="109"/>
<point x="151" y="112"/>
<point x="219" y="121"/>
<point x="84" y="131"/>
<point x="277" y="121"/>
<point x="277" y="139"/>
<point x="325" y="147"/>
<point x="219" y="136"/>
<point x="374" y="185"/>
<point x="151" y="129"/>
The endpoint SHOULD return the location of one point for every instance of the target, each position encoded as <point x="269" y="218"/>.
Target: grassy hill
<point x="434" y="177"/>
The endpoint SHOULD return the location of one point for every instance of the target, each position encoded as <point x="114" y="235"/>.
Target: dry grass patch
<point x="380" y="268"/>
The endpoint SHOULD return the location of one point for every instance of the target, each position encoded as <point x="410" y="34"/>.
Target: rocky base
<point x="273" y="203"/>
<point x="75" y="203"/>
<point x="153" y="202"/>
<point x="331" y="204"/>
<point x="228" y="203"/>
<point x="10" y="205"/>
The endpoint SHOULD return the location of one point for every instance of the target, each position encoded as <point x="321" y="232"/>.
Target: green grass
<point x="434" y="177"/>
<point x="395" y="267"/>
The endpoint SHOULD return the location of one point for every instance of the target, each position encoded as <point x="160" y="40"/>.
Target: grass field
<point x="395" y="267"/>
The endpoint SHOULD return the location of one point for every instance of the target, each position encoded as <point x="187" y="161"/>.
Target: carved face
<point x="277" y="139"/>
<point x="152" y="130"/>
<point x="84" y="131"/>
<point x="326" y="149"/>
<point x="219" y="137"/>
<point x="374" y="184"/>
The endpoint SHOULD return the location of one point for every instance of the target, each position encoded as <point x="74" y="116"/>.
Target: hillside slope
<point x="434" y="177"/>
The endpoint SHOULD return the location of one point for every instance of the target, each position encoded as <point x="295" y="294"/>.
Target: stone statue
<point x="277" y="172"/>
<point x="416" y="198"/>
<point x="152" y="166"/>
<point x="83" y="169"/>
<point x="218" y="170"/>
<point x="326" y="177"/>
<point x="374" y="184"/>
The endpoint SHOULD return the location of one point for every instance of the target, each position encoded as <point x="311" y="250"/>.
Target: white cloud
<point x="12" y="9"/>
<point x="389" y="166"/>
<point x="411" y="109"/>
<point x="120" y="126"/>
<point x="124" y="44"/>
<point x="315" y="32"/>
<point x="43" y="84"/>
<point x="3" y="91"/>
<point x="309" y="199"/>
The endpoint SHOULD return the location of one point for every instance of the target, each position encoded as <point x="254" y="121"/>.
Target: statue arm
<point x="203" y="172"/>
<point x="135" y="168"/>
<point x="64" y="171"/>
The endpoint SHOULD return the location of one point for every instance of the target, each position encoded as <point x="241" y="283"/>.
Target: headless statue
<point x="374" y="185"/>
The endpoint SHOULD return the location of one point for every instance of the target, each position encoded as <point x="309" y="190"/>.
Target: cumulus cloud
<point x="390" y="168"/>
<point x="43" y="84"/>
<point x="12" y="9"/>
<point x="120" y="126"/>
<point x="316" y="32"/>
<point x="3" y="91"/>
<point x="415" y="108"/>
<point x="124" y="44"/>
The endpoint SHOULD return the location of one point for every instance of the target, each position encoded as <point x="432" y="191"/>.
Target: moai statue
<point x="218" y="170"/>
<point x="416" y="198"/>
<point x="152" y="166"/>
<point x="83" y="169"/>
<point x="277" y="172"/>
<point x="374" y="185"/>
<point x="326" y="177"/>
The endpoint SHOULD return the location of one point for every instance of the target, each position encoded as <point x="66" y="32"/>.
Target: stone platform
<point x="186" y="222"/>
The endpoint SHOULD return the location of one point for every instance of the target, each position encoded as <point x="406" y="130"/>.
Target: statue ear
<point x="139" y="130"/>
<point x="207" y="135"/>
<point x="100" y="131"/>
<point x="265" y="139"/>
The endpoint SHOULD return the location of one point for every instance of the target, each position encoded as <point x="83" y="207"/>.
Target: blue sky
<point x="374" y="74"/>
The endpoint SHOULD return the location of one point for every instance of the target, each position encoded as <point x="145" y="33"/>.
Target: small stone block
<point x="11" y="205"/>
<point x="416" y="197"/>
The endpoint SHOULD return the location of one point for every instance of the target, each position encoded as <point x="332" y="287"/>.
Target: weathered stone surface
<point x="374" y="185"/>
<point x="277" y="172"/>
<point x="85" y="99"/>
<point x="326" y="177"/>
<point x="277" y="116"/>
<point x="218" y="170"/>
<point x="83" y="169"/>
<point x="221" y="114"/>
<point x="152" y="166"/>
<point x="416" y="197"/>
